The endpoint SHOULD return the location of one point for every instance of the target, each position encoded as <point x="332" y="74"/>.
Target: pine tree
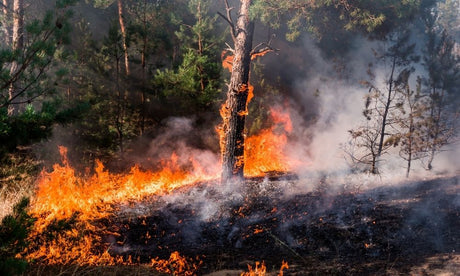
<point x="25" y="63"/>
<point x="195" y="83"/>
<point x="410" y="121"/>
<point x="442" y="84"/>
<point x="378" y="134"/>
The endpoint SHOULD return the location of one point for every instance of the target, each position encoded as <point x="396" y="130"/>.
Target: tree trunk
<point x="436" y="113"/>
<point x="120" y="109"/>
<point x="121" y="20"/>
<point x="384" y="117"/>
<point x="143" y="65"/>
<point x="17" y="45"/>
<point x="5" y="24"/>
<point x="237" y="94"/>
<point x="410" y="143"/>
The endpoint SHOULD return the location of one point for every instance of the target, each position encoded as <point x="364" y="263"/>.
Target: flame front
<point x="62" y="192"/>
<point x="259" y="270"/>
<point x="64" y="195"/>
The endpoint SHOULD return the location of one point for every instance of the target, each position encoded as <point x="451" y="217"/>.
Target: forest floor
<point x="404" y="229"/>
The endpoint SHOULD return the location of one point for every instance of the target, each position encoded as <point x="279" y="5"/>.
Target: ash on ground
<point x="405" y="229"/>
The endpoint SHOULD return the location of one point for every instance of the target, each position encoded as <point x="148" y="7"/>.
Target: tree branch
<point x="229" y="19"/>
<point x="24" y="89"/>
<point x="258" y="50"/>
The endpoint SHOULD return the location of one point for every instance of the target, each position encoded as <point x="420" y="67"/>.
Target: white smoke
<point x="341" y="103"/>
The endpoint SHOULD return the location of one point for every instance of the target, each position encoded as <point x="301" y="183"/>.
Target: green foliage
<point x="109" y="116"/>
<point x="26" y="69"/>
<point x="25" y="128"/>
<point x="32" y="126"/>
<point x="14" y="230"/>
<point x="195" y="83"/>
<point x="112" y="46"/>
<point x="377" y="17"/>
<point x="151" y="32"/>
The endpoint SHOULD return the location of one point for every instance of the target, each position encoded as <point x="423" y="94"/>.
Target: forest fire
<point x="92" y="196"/>
<point x="263" y="152"/>
<point x="64" y="195"/>
<point x="337" y="150"/>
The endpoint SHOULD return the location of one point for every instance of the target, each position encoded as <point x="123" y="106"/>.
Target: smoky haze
<point x="316" y="81"/>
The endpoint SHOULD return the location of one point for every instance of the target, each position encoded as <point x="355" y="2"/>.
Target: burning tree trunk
<point x="235" y="110"/>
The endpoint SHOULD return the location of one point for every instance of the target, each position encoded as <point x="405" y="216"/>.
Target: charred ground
<point x="409" y="228"/>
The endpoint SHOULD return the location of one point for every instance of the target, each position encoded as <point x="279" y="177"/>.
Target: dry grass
<point x="18" y="172"/>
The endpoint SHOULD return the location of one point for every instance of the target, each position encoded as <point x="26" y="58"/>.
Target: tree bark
<point x="235" y="106"/>
<point x="5" y="24"/>
<point x="121" y="20"/>
<point x="17" y="45"/>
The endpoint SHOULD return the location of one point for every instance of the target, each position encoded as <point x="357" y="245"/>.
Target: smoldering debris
<point x="376" y="230"/>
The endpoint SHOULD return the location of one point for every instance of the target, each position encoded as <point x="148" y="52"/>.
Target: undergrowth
<point x="18" y="172"/>
<point x="14" y="230"/>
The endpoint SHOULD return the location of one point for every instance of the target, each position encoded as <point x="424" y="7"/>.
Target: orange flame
<point x="227" y="57"/>
<point x="64" y="195"/>
<point x="284" y="265"/>
<point x="264" y="151"/>
<point x="227" y="60"/>
<point x="261" y="270"/>
<point x="175" y="265"/>
<point x="91" y="197"/>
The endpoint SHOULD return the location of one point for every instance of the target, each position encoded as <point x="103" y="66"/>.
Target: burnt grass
<point x="385" y="230"/>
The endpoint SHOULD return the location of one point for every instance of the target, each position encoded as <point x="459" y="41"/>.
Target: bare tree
<point x="378" y="134"/>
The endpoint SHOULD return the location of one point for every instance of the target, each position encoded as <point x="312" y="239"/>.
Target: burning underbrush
<point x="207" y="227"/>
